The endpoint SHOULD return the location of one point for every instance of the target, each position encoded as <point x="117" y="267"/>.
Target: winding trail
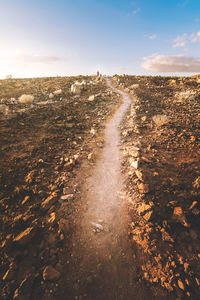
<point x="102" y="260"/>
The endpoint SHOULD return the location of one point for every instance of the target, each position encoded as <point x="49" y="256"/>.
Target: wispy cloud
<point x="180" y="41"/>
<point x="195" y="37"/>
<point x="136" y="11"/>
<point x="184" y="3"/>
<point x="151" y="37"/>
<point x="178" y="63"/>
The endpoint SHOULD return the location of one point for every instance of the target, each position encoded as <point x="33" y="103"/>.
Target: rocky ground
<point x="45" y="138"/>
<point x="160" y="138"/>
<point x="48" y="141"/>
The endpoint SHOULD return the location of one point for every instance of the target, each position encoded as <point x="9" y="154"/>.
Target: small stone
<point x="90" y="156"/>
<point x="10" y="274"/>
<point x="135" y="164"/>
<point x="186" y="265"/>
<point x="143" y="119"/>
<point x="143" y="208"/>
<point x="180" y="284"/>
<point x="160" y="120"/>
<point x="26" y="199"/>
<point x="139" y="175"/>
<point x="24" y="237"/>
<point x="68" y="197"/>
<point x="46" y="204"/>
<point x="23" y="292"/>
<point x="143" y="188"/>
<point x="57" y="92"/>
<point x="97" y="226"/>
<point x="51" y="95"/>
<point x="52" y="218"/>
<point x="51" y="274"/>
<point x="179" y="216"/>
<point x="148" y="215"/>
<point x="91" y="98"/>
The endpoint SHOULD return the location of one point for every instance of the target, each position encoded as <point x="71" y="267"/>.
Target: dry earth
<point x="64" y="233"/>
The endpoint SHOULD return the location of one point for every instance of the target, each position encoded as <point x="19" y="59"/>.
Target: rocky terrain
<point x="51" y="135"/>
<point x="160" y="139"/>
<point x="49" y="126"/>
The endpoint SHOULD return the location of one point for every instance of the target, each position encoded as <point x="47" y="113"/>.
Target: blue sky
<point x="48" y="37"/>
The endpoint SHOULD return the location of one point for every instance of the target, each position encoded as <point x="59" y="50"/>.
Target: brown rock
<point x="23" y="292"/>
<point x="9" y="275"/>
<point x="24" y="237"/>
<point x="52" y="218"/>
<point x="179" y="216"/>
<point x="51" y="274"/>
<point x="143" y="188"/>
<point x="26" y="199"/>
<point x="68" y="197"/>
<point x="180" y="284"/>
<point x="139" y="175"/>
<point x="147" y="215"/>
<point x="46" y="204"/>
<point x="143" y="208"/>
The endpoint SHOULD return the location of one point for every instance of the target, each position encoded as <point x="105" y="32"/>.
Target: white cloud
<point x="164" y="63"/>
<point x="195" y="37"/>
<point x="136" y="11"/>
<point x="180" y="41"/>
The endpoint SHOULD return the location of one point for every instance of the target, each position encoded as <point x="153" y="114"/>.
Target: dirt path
<point x="101" y="262"/>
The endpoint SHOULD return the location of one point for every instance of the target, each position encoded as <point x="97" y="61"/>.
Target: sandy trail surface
<point x="102" y="260"/>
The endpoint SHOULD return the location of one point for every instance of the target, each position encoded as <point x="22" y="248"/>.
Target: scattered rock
<point x="160" y="120"/>
<point x="179" y="216"/>
<point x="181" y="285"/>
<point x="10" y="274"/>
<point x="139" y="175"/>
<point x="57" y="92"/>
<point x="97" y="226"/>
<point x="143" y="188"/>
<point x="23" y="292"/>
<point x="92" y="98"/>
<point x="52" y="218"/>
<point x="24" y="237"/>
<point x="68" y="197"/>
<point x="46" y="204"/>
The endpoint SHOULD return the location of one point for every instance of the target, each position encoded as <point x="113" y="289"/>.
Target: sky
<point x="71" y="37"/>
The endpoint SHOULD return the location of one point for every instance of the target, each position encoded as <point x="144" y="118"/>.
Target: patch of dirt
<point x="160" y="138"/>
